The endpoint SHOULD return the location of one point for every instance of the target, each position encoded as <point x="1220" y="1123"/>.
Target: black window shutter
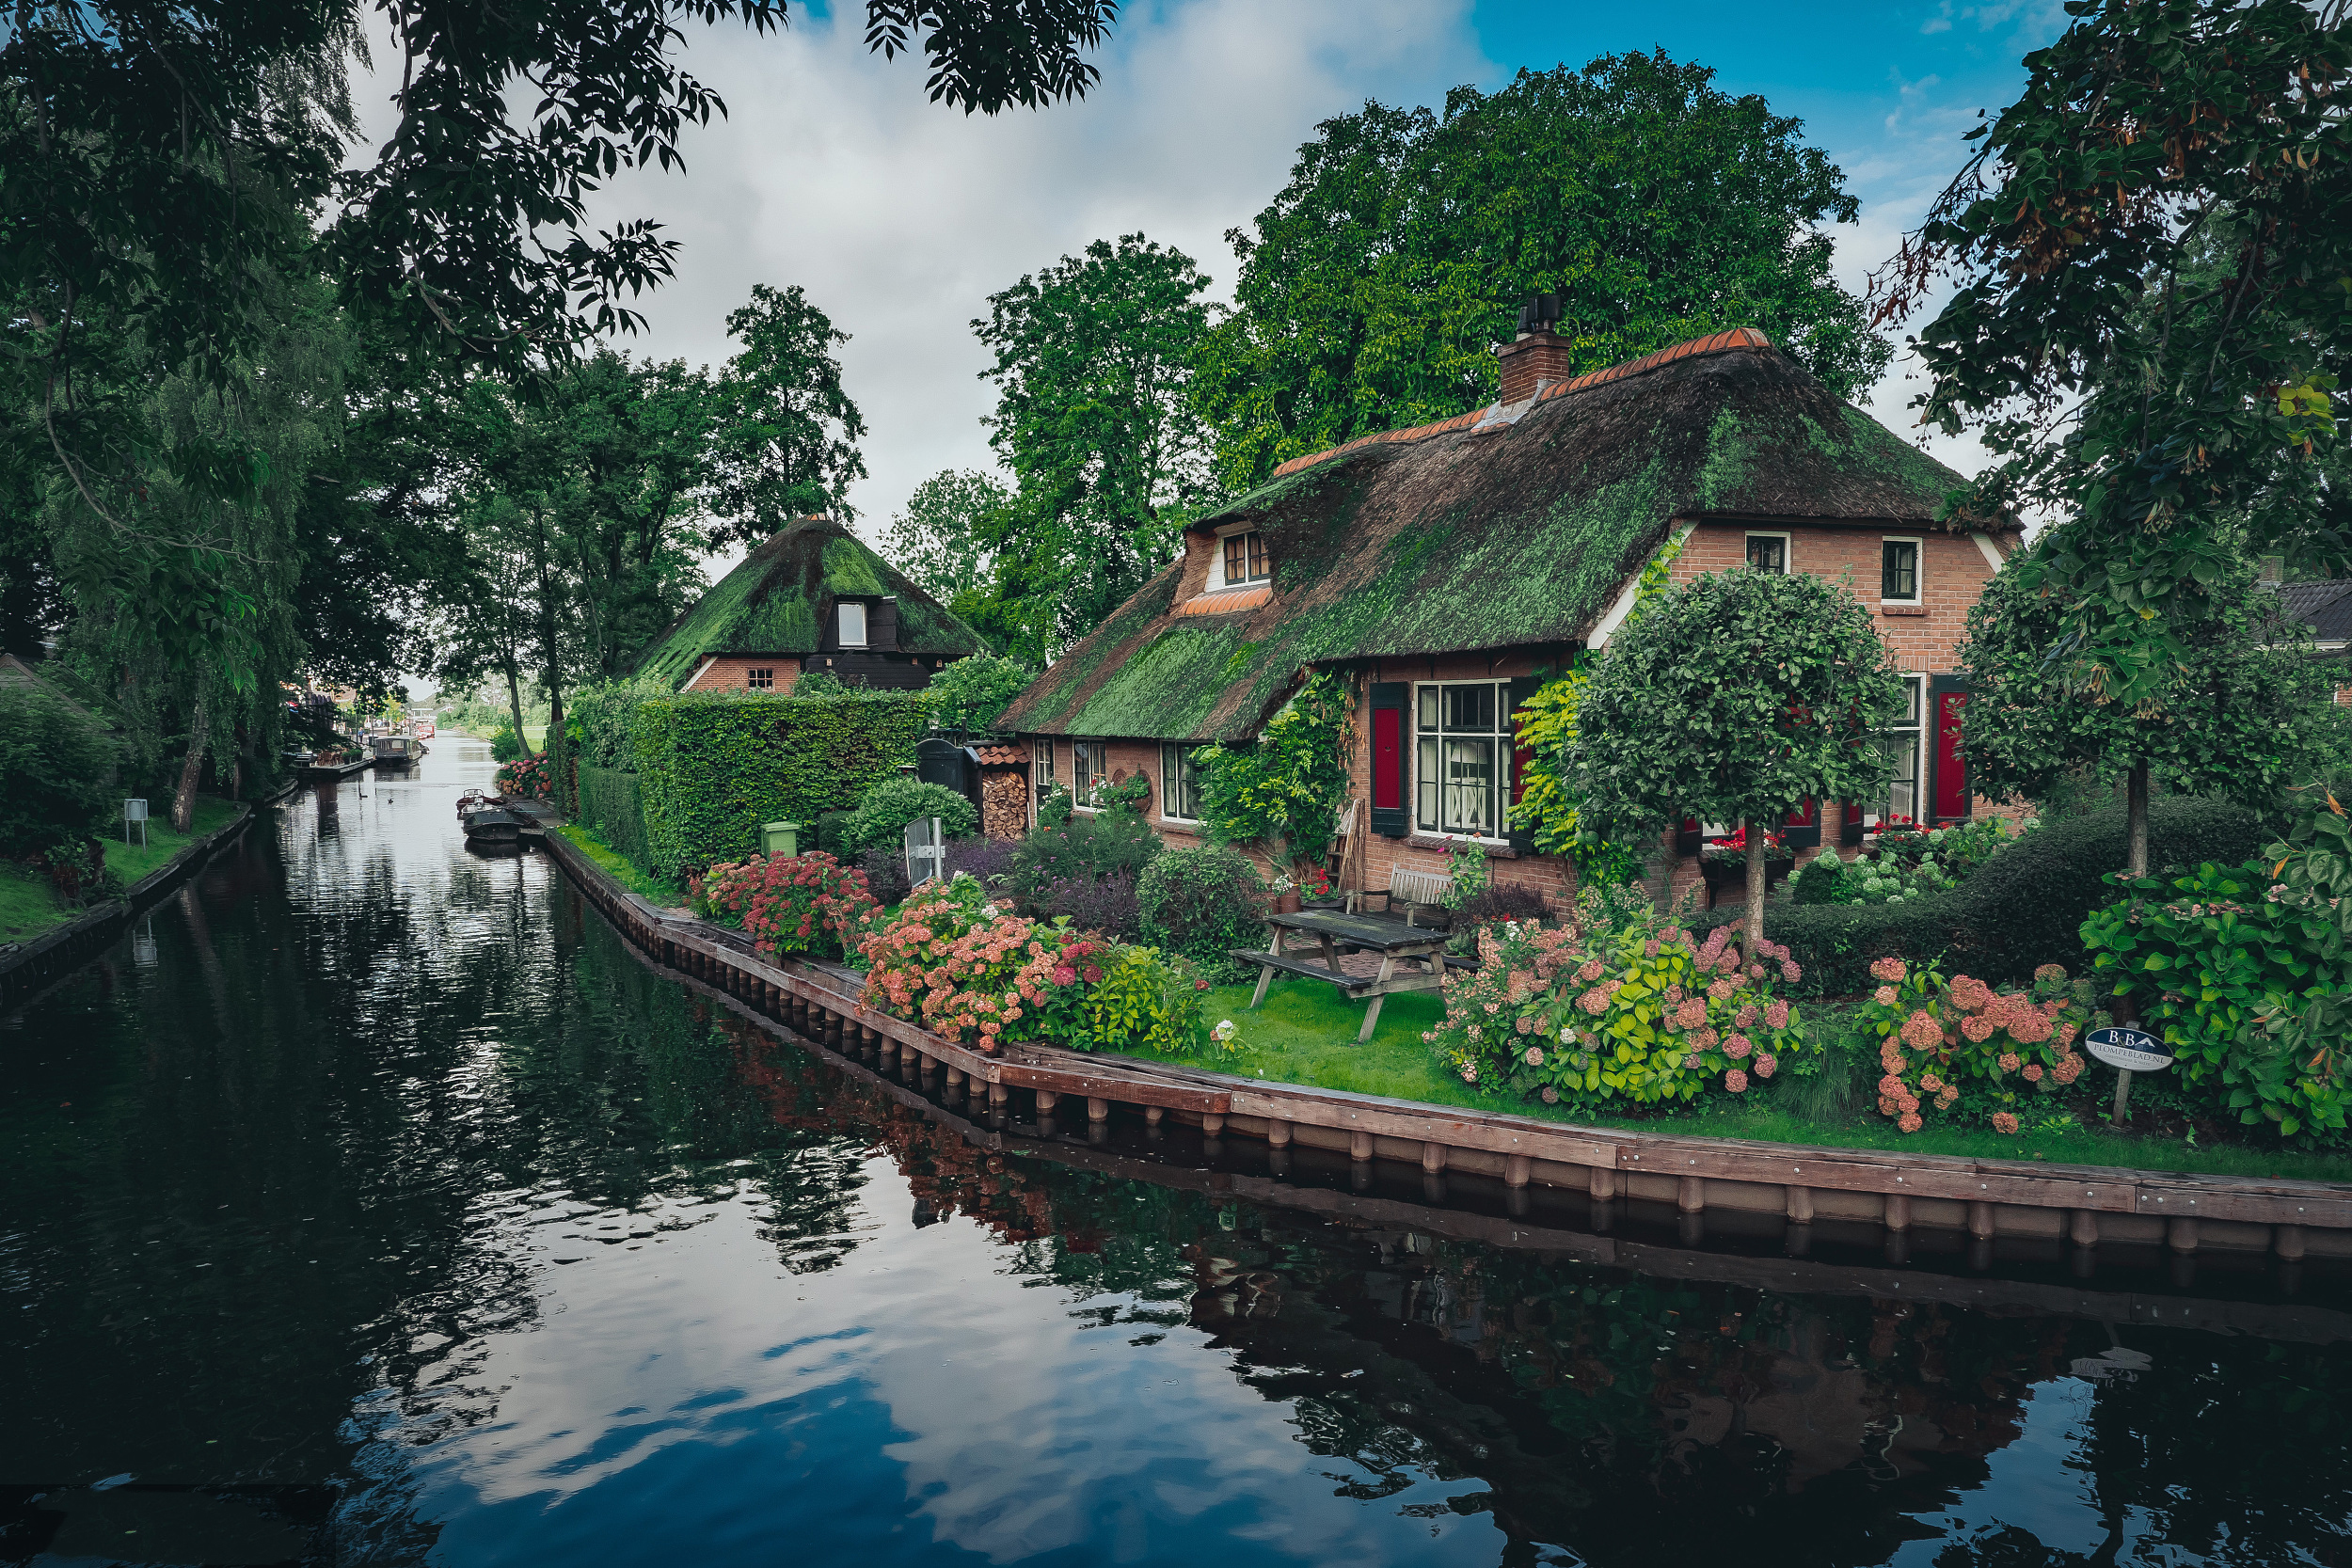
<point x="884" y="633"/>
<point x="1392" y="742"/>
<point x="1522" y="687"/>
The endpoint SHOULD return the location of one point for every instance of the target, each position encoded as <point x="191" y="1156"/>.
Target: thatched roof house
<point x="1493" y="545"/>
<point x="812" y="597"/>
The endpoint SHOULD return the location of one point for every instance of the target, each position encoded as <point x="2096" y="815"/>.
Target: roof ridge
<point x="1735" y="339"/>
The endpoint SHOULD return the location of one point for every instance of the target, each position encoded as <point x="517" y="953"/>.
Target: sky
<point x="900" y="216"/>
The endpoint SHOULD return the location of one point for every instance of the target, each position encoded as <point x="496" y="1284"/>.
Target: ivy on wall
<point x="1292" y="782"/>
<point x="1548" y="809"/>
<point x="712" y="766"/>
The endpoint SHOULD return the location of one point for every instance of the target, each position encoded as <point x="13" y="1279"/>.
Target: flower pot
<point x="1286" y="903"/>
<point x="1322" y="903"/>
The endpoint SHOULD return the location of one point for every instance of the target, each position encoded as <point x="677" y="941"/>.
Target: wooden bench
<point x="1415" y="889"/>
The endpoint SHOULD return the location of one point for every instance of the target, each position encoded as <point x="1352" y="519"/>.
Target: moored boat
<point x="397" y="751"/>
<point x="488" y="820"/>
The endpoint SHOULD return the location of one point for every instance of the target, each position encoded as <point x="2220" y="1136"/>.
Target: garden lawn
<point x="622" y="869"/>
<point x="1305" y="1034"/>
<point x="27" y="908"/>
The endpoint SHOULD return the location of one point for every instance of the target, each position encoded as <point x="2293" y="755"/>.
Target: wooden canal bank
<point x="1703" y="1184"/>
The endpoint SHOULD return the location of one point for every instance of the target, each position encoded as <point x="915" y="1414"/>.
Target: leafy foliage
<point x="1104" y="904"/>
<point x="1290" y="783"/>
<point x="945" y="542"/>
<point x="2136" y="325"/>
<point x="713" y="767"/>
<point x="1952" y="1046"/>
<point x="1084" y="848"/>
<point x="880" y="821"/>
<point x="784" y="433"/>
<point x="971" y="693"/>
<point x="1658" y="207"/>
<point x="1202" y="901"/>
<point x="808" y="903"/>
<point x="610" y="803"/>
<point x="1644" y="1015"/>
<point x="56" y="773"/>
<point x="1093" y="367"/>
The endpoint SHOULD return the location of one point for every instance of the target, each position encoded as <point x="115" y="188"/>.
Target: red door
<point x="1951" y="774"/>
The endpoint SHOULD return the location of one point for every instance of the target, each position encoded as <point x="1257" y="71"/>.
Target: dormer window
<point x="1241" y="560"/>
<point x="852" y="625"/>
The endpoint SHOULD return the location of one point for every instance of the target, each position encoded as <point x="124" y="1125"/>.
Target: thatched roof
<point x="782" y="597"/>
<point x="1484" y="532"/>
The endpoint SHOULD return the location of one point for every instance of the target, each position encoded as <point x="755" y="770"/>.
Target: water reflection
<point x="389" y="1169"/>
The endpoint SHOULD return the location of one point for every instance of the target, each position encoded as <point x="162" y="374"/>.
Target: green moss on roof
<point x="778" y="601"/>
<point x="1512" y="537"/>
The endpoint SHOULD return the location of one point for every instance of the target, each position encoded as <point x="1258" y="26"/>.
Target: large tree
<point x="945" y="541"/>
<point x="1375" y="287"/>
<point x="784" y="432"/>
<point x="2239" y="716"/>
<point x="1094" y="419"/>
<point x="1735" y="698"/>
<point x="2149" y="250"/>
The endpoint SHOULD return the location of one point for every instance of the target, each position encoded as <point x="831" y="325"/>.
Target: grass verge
<point x="27" y="908"/>
<point x="670" y="895"/>
<point x="1305" y="1034"/>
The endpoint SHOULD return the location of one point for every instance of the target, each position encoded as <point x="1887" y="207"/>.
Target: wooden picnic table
<point x="1335" y="938"/>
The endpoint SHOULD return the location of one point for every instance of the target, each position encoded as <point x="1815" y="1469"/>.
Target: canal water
<point x="373" y="1203"/>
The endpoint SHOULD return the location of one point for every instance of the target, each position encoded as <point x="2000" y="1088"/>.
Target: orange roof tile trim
<point x="1738" y="338"/>
<point x="1225" y="603"/>
<point x="1002" y="757"/>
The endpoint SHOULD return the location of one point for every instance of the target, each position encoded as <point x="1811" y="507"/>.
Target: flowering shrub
<point x="808" y="903"/>
<point x="968" y="968"/>
<point x="1644" y="1015"/>
<point x="2208" y="959"/>
<point x="526" y="777"/>
<point x="1732" y="849"/>
<point x="1959" y="1045"/>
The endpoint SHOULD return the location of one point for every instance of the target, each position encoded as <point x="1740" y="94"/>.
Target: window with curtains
<point x="1243" y="560"/>
<point x="1086" y="771"/>
<point x="1462" y="760"/>
<point x="1180" y="796"/>
<point x="1903" y="744"/>
<point x="1041" y="772"/>
<point x="1769" y="552"/>
<point x="852" y="625"/>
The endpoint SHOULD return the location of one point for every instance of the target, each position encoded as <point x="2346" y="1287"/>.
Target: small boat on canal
<point x="397" y="751"/>
<point x="489" y="822"/>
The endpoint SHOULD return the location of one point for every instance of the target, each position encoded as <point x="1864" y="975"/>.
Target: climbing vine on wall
<point x="1547" y="808"/>
<point x="1292" y="782"/>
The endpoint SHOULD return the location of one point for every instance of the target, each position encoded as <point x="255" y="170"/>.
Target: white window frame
<point x="1918" y="568"/>
<point x="1041" y="775"/>
<point x="1217" y="583"/>
<point x="1505" y="743"/>
<point x="1787" y="549"/>
<point x="1081" y="793"/>
<point x="1874" y="815"/>
<point x="841" y="623"/>
<point x="1175" y="764"/>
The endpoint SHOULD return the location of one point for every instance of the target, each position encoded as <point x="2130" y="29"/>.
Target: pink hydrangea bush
<point x="1959" y="1048"/>
<point x="1645" y="1015"/>
<point x="808" y="903"/>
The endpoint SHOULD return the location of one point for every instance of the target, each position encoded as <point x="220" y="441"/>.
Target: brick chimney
<point x="1538" y="356"/>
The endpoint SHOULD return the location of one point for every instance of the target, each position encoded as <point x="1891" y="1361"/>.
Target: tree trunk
<point x="2135" y="820"/>
<point x="1755" y="838"/>
<point x="559" y="757"/>
<point x="184" y="799"/>
<point x="515" y="701"/>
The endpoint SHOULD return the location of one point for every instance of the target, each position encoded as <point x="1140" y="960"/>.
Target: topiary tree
<point x="2233" y="718"/>
<point x="883" y="812"/>
<point x="56" y="773"/>
<point x="1735" y="698"/>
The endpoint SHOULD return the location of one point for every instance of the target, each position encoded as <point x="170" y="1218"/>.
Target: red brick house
<point x="1446" y="569"/>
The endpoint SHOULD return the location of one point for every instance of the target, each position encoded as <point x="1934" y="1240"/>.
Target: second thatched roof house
<point x="1443" y="569"/>
<point x="812" y="596"/>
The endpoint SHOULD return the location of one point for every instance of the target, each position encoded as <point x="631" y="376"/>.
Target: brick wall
<point x="731" y="673"/>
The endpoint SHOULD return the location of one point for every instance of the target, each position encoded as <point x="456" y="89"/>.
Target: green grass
<point x="536" y="736"/>
<point x="670" y="895"/>
<point x="27" y="908"/>
<point x="1305" y="1034"/>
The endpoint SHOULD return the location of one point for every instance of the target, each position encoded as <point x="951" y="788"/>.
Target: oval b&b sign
<point x="2130" y="1050"/>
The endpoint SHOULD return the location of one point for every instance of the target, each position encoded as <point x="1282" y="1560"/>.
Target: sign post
<point x="135" y="811"/>
<point x="2127" y="1050"/>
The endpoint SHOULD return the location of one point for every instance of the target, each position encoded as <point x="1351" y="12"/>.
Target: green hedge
<point x="712" y="766"/>
<point x="609" y="803"/>
<point x="2024" y="907"/>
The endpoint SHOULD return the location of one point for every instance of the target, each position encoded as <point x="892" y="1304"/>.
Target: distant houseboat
<point x="397" y="751"/>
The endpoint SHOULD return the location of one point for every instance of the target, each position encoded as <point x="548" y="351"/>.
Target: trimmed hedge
<point x="712" y="766"/>
<point x="610" y="803"/>
<point x="2024" y="907"/>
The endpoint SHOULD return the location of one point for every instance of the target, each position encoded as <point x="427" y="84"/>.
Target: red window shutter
<point x="1805" y="815"/>
<point x="1951" y="771"/>
<point x="1387" y="760"/>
